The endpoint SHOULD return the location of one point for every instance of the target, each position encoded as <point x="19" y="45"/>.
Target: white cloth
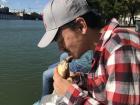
<point x="51" y="99"/>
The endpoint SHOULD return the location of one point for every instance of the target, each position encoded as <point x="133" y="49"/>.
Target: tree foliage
<point x="133" y="7"/>
<point x="116" y="8"/>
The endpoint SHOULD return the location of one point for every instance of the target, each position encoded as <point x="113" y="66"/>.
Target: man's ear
<point x="82" y="25"/>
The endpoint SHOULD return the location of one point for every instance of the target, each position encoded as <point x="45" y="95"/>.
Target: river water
<point x="22" y="62"/>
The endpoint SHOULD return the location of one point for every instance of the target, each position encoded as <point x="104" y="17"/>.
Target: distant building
<point x="4" y="10"/>
<point x="5" y="14"/>
<point x="9" y="17"/>
<point x="20" y="14"/>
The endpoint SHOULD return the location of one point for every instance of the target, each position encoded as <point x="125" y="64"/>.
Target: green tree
<point x="108" y="8"/>
<point x="116" y="8"/>
<point x="133" y="7"/>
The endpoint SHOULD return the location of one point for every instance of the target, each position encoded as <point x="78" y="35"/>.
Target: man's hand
<point x="60" y="85"/>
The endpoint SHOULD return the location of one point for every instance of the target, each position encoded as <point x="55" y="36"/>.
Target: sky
<point x="27" y="5"/>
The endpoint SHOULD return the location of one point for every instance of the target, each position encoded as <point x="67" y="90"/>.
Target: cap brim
<point x="47" y="38"/>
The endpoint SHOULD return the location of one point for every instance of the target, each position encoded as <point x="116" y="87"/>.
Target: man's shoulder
<point x="120" y="37"/>
<point x="127" y="30"/>
<point x="126" y="35"/>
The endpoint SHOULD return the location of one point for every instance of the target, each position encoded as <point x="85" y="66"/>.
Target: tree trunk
<point x="133" y="18"/>
<point x="130" y="21"/>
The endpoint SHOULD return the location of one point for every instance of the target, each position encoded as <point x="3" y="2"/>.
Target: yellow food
<point x="63" y="67"/>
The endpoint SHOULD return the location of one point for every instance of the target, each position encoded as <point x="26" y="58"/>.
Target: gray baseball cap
<point x="59" y="12"/>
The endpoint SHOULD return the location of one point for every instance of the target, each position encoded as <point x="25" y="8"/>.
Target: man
<point x="115" y="75"/>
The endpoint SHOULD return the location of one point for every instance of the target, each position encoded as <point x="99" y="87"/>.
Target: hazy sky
<point x="28" y="5"/>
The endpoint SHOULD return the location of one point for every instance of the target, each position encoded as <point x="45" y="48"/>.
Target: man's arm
<point x="73" y="95"/>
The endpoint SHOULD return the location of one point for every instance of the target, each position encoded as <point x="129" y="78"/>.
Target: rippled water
<point x="22" y="62"/>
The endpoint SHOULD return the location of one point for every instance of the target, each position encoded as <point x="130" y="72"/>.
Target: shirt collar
<point x="106" y="33"/>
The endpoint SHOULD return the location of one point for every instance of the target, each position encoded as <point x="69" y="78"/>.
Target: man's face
<point x="73" y="42"/>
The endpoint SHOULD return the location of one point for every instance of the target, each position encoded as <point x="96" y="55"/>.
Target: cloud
<point x="3" y="1"/>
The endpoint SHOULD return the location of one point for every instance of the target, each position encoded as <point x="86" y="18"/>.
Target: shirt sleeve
<point x="82" y="92"/>
<point x="76" y="96"/>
